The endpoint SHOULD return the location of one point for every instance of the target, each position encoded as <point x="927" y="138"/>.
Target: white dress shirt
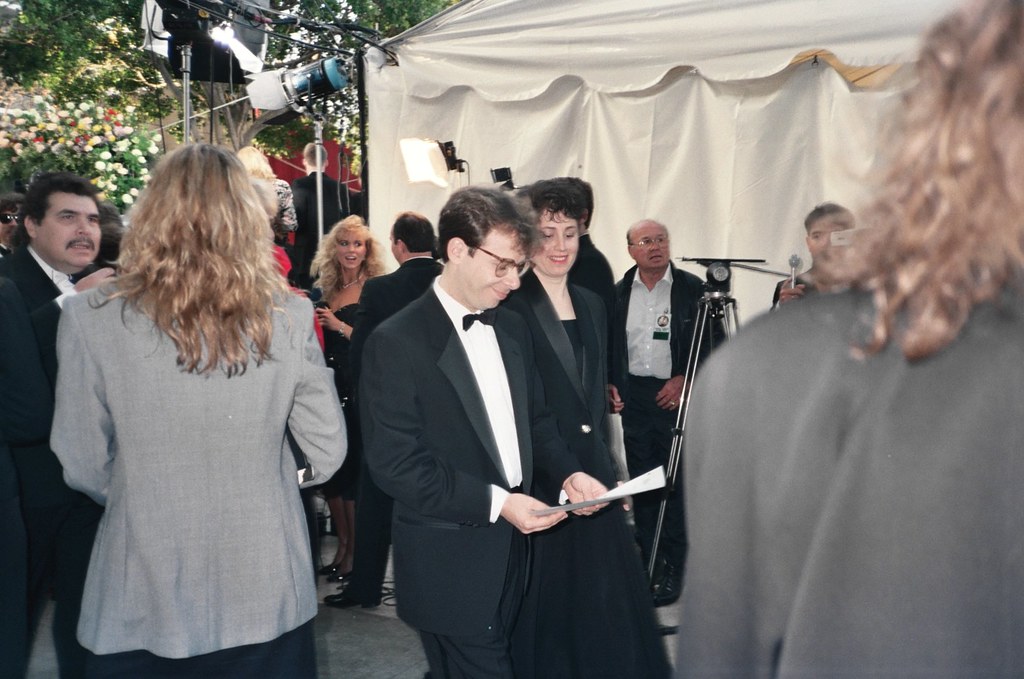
<point x="60" y="279"/>
<point x="649" y="328"/>
<point x="481" y="345"/>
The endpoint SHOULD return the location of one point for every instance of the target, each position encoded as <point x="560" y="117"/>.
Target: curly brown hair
<point x="946" y="228"/>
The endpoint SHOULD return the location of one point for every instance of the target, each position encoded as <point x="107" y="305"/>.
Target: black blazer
<point x="38" y="291"/>
<point x="40" y="475"/>
<point x="579" y="403"/>
<point x="687" y="290"/>
<point x="429" y="445"/>
<point x="26" y="400"/>
<point x="304" y="195"/>
<point x="592" y="271"/>
<point x="384" y="296"/>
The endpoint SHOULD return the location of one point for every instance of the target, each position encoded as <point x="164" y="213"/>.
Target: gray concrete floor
<point x="351" y="643"/>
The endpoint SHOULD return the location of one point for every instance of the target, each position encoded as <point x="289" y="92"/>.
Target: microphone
<point x="794" y="264"/>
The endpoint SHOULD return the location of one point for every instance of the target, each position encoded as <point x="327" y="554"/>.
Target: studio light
<point x="281" y="88"/>
<point x="503" y="176"/>
<point x="425" y="160"/>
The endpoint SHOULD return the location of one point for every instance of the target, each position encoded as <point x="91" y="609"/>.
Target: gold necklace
<point x="349" y="285"/>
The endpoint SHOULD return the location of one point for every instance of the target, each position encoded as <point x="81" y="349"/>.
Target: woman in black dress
<point x="347" y="256"/>
<point x="587" y="611"/>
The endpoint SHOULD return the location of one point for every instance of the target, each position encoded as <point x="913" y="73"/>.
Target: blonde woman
<point x="347" y="257"/>
<point x="178" y="382"/>
<point x="284" y="221"/>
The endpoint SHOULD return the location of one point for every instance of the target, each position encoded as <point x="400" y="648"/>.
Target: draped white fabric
<point x="680" y="110"/>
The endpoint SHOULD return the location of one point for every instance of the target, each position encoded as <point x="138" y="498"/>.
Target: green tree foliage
<point x="91" y="50"/>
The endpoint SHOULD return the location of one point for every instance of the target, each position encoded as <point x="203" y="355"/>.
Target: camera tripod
<point x="716" y="308"/>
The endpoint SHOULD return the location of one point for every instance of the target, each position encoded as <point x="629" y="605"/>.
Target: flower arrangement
<point x="89" y="139"/>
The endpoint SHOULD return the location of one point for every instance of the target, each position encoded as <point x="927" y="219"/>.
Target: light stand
<point x="186" y="90"/>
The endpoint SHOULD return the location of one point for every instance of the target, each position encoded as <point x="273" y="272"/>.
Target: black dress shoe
<point x="329" y="569"/>
<point x="669" y="587"/>
<point x="343" y="600"/>
<point x="338" y="576"/>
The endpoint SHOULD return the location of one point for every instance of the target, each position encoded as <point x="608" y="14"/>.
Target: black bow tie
<point x="486" y="317"/>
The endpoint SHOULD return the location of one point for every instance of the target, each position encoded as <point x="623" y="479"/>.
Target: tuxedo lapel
<point x="453" y="363"/>
<point x="515" y="370"/>
<point x="555" y="334"/>
<point x="34" y="284"/>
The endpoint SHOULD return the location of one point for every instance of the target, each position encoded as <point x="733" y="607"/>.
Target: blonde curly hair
<point x="325" y="265"/>
<point x="197" y="261"/>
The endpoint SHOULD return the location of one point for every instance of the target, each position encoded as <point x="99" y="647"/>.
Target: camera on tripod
<point x="719" y="272"/>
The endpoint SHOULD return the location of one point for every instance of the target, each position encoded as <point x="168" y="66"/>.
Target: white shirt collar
<point x="59" y="278"/>
<point x="667" y="277"/>
<point x="455" y="310"/>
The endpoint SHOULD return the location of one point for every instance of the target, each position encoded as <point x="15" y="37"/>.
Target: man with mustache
<point x="61" y="222"/>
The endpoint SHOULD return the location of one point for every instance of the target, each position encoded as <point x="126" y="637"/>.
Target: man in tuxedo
<point x="454" y="425"/>
<point x="26" y="407"/>
<point x="61" y="221"/>
<point x="304" y="195"/>
<point x="412" y="244"/>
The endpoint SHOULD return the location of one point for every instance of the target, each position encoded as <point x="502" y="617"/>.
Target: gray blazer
<point x="195" y="476"/>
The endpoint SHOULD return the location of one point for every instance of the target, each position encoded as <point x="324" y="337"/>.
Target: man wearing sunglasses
<point x="61" y="226"/>
<point x="10" y="205"/>
<point x="455" y="430"/>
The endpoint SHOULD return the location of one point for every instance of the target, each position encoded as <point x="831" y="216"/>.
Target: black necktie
<point x="486" y="317"/>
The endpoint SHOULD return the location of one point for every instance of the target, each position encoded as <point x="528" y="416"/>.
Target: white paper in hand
<point x="652" y="480"/>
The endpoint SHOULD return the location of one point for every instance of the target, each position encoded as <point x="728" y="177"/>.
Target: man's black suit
<point x="592" y="271"/>
<point x="382" y="297"/>
<point x="60" y="523"/>
<point x="430" y="446"/>
<point x="304" y="195"/>
<point x="26" y="408"/>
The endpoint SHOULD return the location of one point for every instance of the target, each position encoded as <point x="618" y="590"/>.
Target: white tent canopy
<point x="686" y="111"/>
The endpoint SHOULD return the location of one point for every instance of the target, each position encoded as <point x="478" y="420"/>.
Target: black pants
<point x="487" y="654"/>
<point x="647" y="436"/>
<point x="373" y="538"/>
<point x="59" y="547"/>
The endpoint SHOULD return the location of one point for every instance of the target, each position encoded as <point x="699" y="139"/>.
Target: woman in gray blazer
<point x="177" y="384"/>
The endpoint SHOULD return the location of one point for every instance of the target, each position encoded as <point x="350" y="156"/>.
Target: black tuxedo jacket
<point x="577" y="398"/>
<point x="40" y="475"/>
<point x="429" y="445"/>
<point x="26" y="401"/>
<point x="38" y="291"/>
<point x="592" y="271"/>
<point x="384" y="296"/>
<point x="304" y="195"/>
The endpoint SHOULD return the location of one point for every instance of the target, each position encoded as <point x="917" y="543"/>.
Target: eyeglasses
<point x="505" y="265"/>
<point x="648" y="242"/>
<point x="8" y="219"/>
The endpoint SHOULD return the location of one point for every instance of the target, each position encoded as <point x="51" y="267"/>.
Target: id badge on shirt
<point x="661" y="326"/>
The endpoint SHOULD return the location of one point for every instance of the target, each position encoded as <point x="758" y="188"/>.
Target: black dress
<point x="336" y="354"/>
<point x="587" y="611"/>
